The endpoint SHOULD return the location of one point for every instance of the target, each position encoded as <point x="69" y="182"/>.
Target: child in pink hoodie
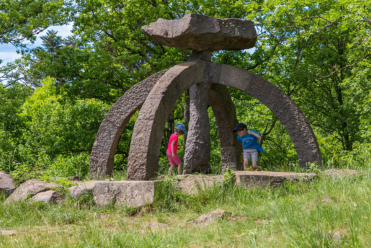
<point x="172" y="148"/>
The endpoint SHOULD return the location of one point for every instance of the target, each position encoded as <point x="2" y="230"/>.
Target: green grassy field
<point x="294" y="215"/>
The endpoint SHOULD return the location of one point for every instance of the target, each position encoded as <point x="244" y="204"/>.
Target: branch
<point x="337" y="70"/>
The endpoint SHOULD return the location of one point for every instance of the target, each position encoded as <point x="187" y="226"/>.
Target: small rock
<point x="209" y="218"/>
<point x="257" y="221"/>
<point x="75" y="178"/>
<point x="31" y="187"/>
<point x="82" y="188"/>
<point x="327" y="199"/>
<point x="8" y="232"/>
<point x="6" y="184"/>
<point x="48" y="197"/>
<point x="157" y="225"/>
<point x="335" y="235"/>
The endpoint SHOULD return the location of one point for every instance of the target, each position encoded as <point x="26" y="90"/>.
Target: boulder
<point x="130" y="193"/>
<point x="192" y="183"/>
<point x="31" y="188"/>
<point x="203" y="33"/>
<point x="263" y="179"/>
<point x="49" y="196"/>
<point x="82" y="188"/>
<point x="209" y="218"/>
<point x="6" y="184"/>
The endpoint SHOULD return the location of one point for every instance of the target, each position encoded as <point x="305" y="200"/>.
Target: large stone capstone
<point x="203" y="33"/>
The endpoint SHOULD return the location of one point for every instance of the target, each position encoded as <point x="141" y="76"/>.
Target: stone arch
<point x="277" y="101"/>
<point x="146" y="141"/>
<point x="114" y="123"/>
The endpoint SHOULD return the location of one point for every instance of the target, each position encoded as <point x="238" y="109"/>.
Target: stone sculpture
<point x="207" y="81"/>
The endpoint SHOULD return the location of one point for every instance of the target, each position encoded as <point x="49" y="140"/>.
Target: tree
<point x="23" y="20"/>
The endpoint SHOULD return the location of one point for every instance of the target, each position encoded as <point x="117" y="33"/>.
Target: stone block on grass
<point x="129" y="193"/>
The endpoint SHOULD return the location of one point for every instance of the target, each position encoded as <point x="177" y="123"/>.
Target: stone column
<point x="226" y="119"/>
<point x="197" y="152"/>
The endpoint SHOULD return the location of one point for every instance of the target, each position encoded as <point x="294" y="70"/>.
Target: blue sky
<point x="8" y="52"/>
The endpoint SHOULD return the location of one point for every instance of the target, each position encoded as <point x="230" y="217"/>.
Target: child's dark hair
<point x="179" y="131"/>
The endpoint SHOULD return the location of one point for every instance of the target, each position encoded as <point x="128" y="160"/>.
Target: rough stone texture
<point x="50" y="196"/>
<point x="193" y="183"/>
<point x="265" y="178"/>
<point x="209" y="218"/>
<point x="197" y="152"/>
<point x="277" y="101"/>
<point x="129" y="193"/>
<point x="148" y="129"/>
<point x="31" y="188"/>
<point x="82" y="188"/>
<point x="6" y="184"/>
<point x="109" y="133"/>
<point x="226" y="119"/>
<point x="202" y="33"/>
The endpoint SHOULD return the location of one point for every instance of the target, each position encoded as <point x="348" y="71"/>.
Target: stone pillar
<point x="197" y="153"/>
<point x="226" y="119"/>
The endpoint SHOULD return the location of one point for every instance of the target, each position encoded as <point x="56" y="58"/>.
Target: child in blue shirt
<point x="250" y="145"/>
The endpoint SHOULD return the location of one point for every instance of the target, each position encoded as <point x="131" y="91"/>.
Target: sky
<point x="8" y="53"/>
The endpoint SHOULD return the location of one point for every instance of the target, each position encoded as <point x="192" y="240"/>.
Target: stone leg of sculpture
<point x="197" y="153"/>
<point x="111" y="128"/>
<point x="226" y="119"/>
<point x="149" y="127"/>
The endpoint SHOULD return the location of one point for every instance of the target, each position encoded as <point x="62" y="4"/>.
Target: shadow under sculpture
<point x="190" y="32"/>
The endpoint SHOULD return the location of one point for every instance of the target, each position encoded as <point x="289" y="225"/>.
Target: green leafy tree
<point x="23" y="20"/>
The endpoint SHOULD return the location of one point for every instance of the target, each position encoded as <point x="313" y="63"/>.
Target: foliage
<point x="23" y="20"/>
<point x="317" y="52"/>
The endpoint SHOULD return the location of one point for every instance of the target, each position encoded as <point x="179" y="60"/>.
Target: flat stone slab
<point x="129" y="193"/>
<point x="203" y="33"/>
<point x="6" y="184"/>
<point x="266" y="178"/>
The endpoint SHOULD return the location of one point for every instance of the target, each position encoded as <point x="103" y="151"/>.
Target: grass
<point x="295" y="215"/>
